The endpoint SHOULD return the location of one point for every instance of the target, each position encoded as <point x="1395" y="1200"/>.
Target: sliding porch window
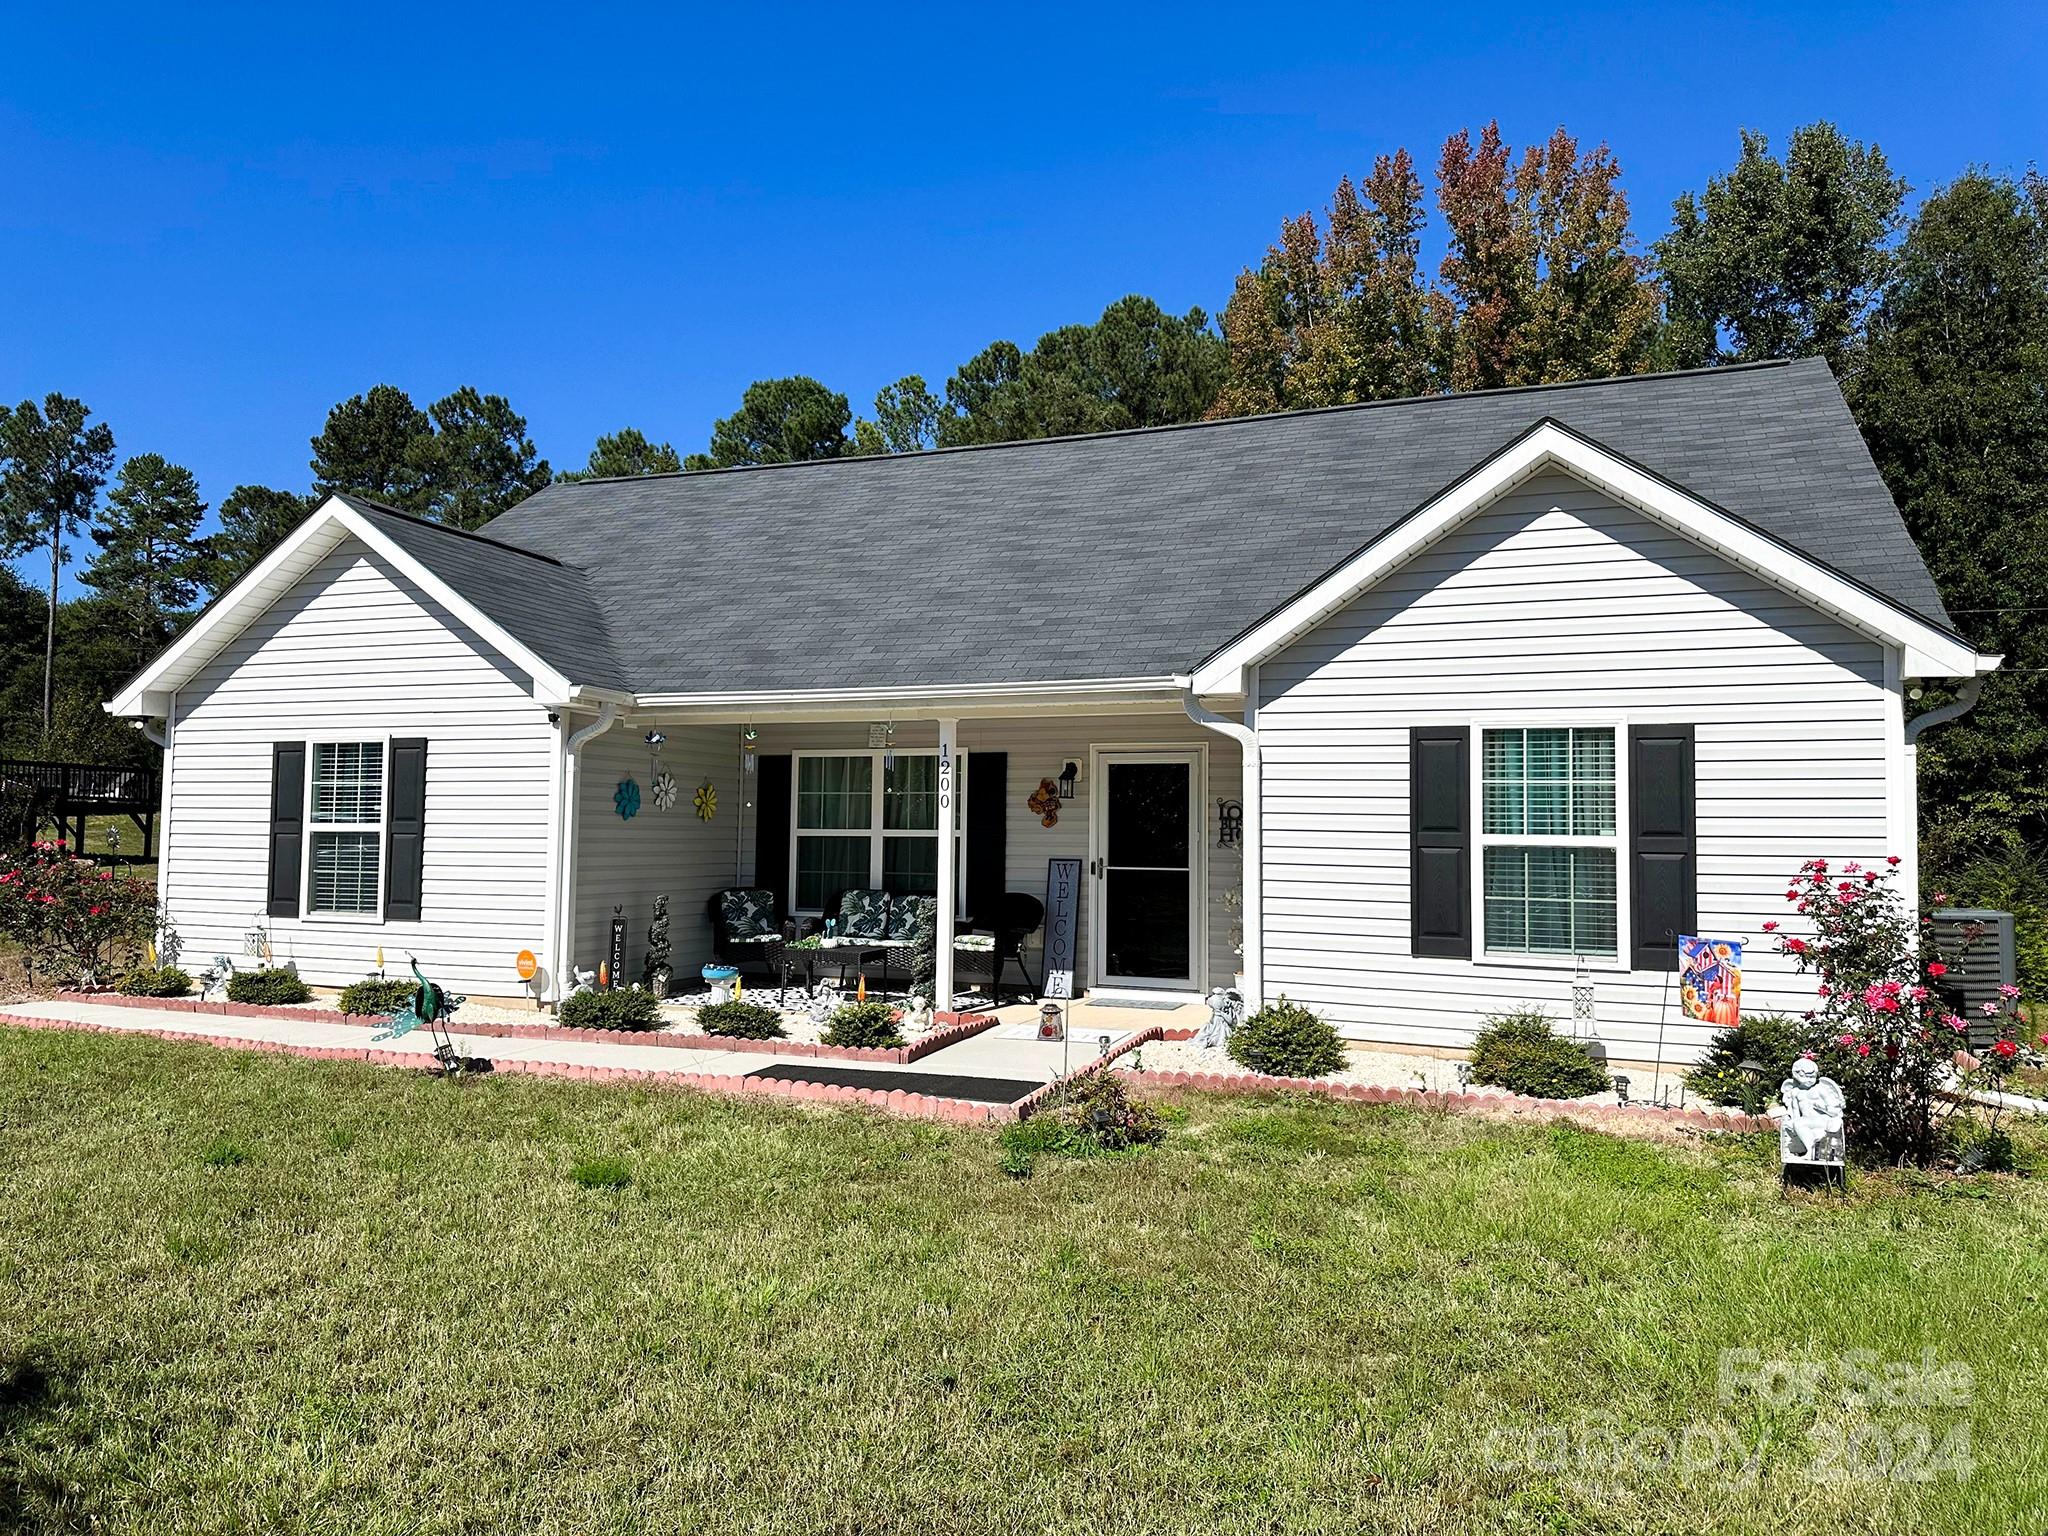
<point x="861" y="826"/>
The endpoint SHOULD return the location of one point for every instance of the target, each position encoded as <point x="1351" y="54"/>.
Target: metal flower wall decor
<point x="664" y="791"/>
<point x="706" y="802"/>
<point x="626" y="799"/>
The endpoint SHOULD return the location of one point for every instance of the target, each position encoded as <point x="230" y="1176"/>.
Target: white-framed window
<point x="1550" y="848"/>
<point x="345" y="828"/>
<point x="860" y="826"/>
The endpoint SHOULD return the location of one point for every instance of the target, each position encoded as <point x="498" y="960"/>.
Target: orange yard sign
<point x="527" y="965"/>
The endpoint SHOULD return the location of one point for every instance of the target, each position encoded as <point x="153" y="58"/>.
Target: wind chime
<point x="661" y="784"/>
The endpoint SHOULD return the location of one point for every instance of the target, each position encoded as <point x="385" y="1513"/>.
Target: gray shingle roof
<point x="544" y="604"/>
<point x="1121" y="555"/>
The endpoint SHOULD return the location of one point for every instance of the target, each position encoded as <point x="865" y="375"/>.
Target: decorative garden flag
<point x="1710" y="973"/>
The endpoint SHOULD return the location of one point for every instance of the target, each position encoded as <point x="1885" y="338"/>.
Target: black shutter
<point x="1440" y="841"/>
<point x="405" y="831"/>
<point x="988" y="794"/>
<point x="771" y="826"/>
<point x="287" y="826"/>
<point x="1663" y="870"/>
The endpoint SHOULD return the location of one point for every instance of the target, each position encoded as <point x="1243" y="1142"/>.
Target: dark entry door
<point x="1148" y="845"/>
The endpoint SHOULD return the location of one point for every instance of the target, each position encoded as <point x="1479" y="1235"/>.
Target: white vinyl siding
<point x="627" y="863"/>
<point x="1556" y="606"/>
<point x="354" y="652"/>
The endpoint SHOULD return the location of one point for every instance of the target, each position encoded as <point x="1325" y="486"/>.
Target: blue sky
<point x="213" y="228"/>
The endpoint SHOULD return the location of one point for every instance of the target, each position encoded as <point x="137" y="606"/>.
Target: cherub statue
<point x="583" y="981"/>
<point x="1811" y="1132"/>
<point x="1226" y="1012"/>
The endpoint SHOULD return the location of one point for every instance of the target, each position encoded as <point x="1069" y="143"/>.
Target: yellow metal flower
<point x="706" y="801"/>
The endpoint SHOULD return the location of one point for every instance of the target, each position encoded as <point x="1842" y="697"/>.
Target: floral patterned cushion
<point x="864" y="915"/>
<point x="976" y="943"/>
<point x="904" y="912"/>
<point x="747" y="914"/>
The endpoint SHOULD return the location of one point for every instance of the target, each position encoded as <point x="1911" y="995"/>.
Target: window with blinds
<point x="347" y="833"/>
<point x="1549" y="841"/>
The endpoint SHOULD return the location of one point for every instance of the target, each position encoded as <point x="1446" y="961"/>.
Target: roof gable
<point x="1930" y="651"/>
<point x="439" y="560"/>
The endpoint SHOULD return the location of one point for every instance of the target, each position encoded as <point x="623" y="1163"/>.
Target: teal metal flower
<point x="626" y="799"/>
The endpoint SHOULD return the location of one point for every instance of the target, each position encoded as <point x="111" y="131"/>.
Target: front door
<point x="1147" y="854"/>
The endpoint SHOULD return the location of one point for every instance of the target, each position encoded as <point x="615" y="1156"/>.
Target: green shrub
<point x="1773" y="1040"/>
<point x="1091" y="1114"/>
<point x="155" y="981"/>
<point x="1520" y="1051"/>
<point x="601" y="1173"/>
<point x="1284" y="1039"/>
<point x="274" y="985"/>
<point x="372" y="998"/>
<point x="740" y="1020"/>
<point x="625" y="1008"/>
<point x="866" y="1025"/>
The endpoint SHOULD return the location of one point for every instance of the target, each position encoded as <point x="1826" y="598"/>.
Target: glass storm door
<point x="1147" y="842"/>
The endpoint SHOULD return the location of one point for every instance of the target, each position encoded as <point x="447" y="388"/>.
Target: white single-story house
<point x="1409" y="711"/>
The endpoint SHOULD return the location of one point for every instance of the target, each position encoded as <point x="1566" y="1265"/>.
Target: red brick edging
<point x="1035" y="1100"/>
<point x="915" y="1106"/>
<point x="958" y="1027"/>
<point x="1427" y="1098"/>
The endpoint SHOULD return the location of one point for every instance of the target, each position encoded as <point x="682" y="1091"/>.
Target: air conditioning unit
<point x="1976" y="944"/>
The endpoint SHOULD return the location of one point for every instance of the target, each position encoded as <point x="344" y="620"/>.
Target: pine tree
<point x="52" y="466"/>
<point x="151" y="560"/>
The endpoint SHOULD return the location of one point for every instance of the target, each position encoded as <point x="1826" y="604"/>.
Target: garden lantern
<point x="1068" y="775"/>
<point x="1052" y="1023"/>
<point x="1752" y="1072"/>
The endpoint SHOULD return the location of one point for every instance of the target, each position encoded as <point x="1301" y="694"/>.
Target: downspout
<point x="1964" y="701"/>
<point x="1253" y="878"/>
<point x="565" y="907"/>
<point x="1960" y="706"/>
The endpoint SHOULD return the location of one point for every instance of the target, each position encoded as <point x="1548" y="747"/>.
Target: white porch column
<point x="949" y="761"/>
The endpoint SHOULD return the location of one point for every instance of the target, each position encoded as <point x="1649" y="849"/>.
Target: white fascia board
<point x="960" y="701"/>
<point x="1928" y="651"/>
<point x="271" y="576"/>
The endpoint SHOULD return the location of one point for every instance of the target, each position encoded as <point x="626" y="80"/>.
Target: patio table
<point x="859" y="955"/>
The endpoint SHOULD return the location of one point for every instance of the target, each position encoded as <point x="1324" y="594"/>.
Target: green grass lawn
<point x="241" y="1293"/>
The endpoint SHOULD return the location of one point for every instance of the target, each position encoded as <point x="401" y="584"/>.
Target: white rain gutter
<point x="562" y="960"/>
<point x="1253" y="877"/>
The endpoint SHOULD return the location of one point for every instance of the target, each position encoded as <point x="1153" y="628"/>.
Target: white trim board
<point x="1927" y="650"/>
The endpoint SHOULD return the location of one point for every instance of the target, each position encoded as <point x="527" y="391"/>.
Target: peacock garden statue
<point x="431" y="1007"/>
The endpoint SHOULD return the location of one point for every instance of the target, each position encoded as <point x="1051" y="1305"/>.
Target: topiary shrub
<point x="373" y="998"/>
<point x="1773" y="1040"/>
<point x="1521" y="1052"/>
<point x="740" y="1020"/>
<point x="626" y="1008"/>
<point x="155" y="981"/>
<point x="272" y="986"/>
<point x="869" y="1026"/>
<point x="1284" y="1039"/>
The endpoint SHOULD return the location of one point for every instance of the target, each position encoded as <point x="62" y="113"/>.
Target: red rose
<point x="1771" y="927"/>
<point x="1937" y="969"/>
<point x="2007" y="1049"/>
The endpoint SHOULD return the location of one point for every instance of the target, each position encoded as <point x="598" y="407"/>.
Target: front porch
<point x="1118" y="837"/>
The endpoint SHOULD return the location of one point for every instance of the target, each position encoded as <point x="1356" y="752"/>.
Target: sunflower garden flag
<point x="1710" y="971"/>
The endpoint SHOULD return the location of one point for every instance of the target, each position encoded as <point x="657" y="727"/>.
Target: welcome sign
<point x="1062" y="914"/>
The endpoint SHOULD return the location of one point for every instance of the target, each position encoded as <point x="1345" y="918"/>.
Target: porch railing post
<point x="948" y="886"/>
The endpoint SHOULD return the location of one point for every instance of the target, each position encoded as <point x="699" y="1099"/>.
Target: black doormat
<point x="945" y="1085"/>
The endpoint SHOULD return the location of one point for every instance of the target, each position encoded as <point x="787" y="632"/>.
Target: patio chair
<point x="747" y="928"/>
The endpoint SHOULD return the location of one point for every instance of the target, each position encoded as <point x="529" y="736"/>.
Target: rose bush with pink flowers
<point x="1882" y="1029"/>
<point x="72" y="920"/>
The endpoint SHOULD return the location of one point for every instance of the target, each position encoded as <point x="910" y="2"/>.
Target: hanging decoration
<point x="706" y="800"/>
<point x="664" y="791"/>
<point x="1229" y="824"/>
<point x="750" y="740"/>
<point x="626" y="799"/>
<point x="1045" y="803"/>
